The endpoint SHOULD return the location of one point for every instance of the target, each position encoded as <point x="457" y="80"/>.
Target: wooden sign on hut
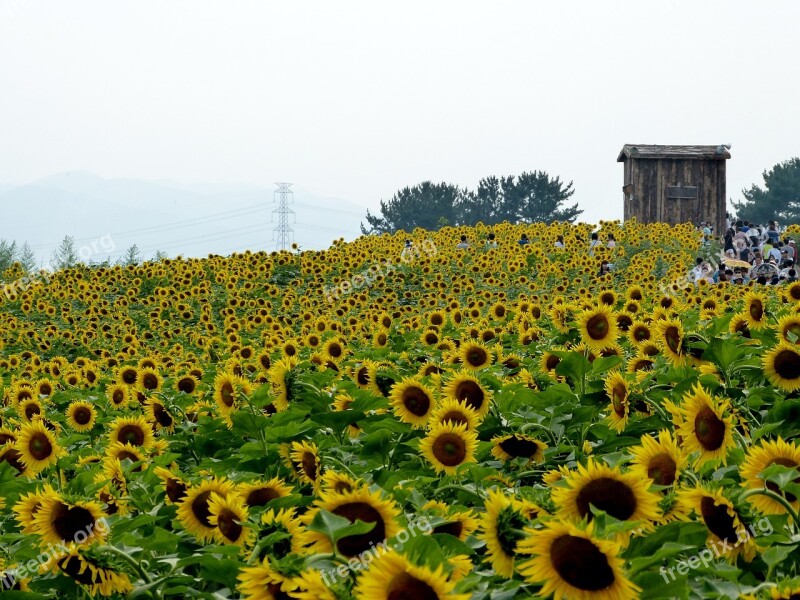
<point x="675" y="184"/>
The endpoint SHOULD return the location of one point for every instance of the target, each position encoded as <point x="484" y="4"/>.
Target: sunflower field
<point x="381" y="422"/>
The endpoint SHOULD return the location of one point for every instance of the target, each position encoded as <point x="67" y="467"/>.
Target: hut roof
<point x="649" y="151"/>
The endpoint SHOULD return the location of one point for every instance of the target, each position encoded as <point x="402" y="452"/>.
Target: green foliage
<point x="779" y="199"/>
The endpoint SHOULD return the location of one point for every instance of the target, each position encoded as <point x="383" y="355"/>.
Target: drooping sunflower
<point x="570" y="563"/>
<point x="392" y="577"/>
<point x="501" y="527"/>
<point x="468" y="388"/>
<point x="60" y="522"/>
<point x="624" y="496"/>
<point x="228" y="515"/>
<point x="338" y="483"/>
<point x="518" y="445"/>
<point x="598" y="327"/>
<point x="449" y="445"/>
<point x="159" y="415"/>
<point x="305" y="456"/>
<point x="81" y="416"/>
<point x="668" y="335"/>
<point x="264" y="582"/>
<point x="174" y="486"/>
<point x="92" y="573"/>
<point x="360" y="504"/>
<point x="707" y="426"/>
<point x="755" y="310"/>
<point x="616" y="388"/>
<point x="460" y="523"/>
<point x="194" y="512"/>
<point x="133" y="430"/>
<point x="722" y="521"/>
<point x="661" y="460"/>
<point x="782" y="367"/>
<point x="281" y="375"/>
<point x="227" y="390"/>
<point x="413" y="402"/>
<point x="455" y="411"/>
<point x="259" y="493"/>
<point x="37" y="447"/>
<point x="766" y="454"/>
<point x="474" y="355"/>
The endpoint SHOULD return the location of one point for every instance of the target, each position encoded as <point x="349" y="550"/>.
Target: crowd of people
<point x="752" y="252"/>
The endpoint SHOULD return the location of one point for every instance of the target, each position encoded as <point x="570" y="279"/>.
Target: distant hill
<point x="186" y="219"/>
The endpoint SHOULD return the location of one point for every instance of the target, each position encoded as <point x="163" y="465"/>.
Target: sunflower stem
<point x="135" y="564"/>
<point x="777" y="498"/>
<point x="461" y="488"/>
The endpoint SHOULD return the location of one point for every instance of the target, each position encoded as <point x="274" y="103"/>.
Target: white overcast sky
<point x="357" y="99"/>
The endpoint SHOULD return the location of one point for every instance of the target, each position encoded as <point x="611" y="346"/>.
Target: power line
<point x="283" y="196"/>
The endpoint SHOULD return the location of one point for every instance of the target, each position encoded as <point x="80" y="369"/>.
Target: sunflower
<point x="284" y="533"/>
<point x="598" y="327"/>
<point x="474" y="355"/>
<point x="668" y="335"/>
<point x="413" y="402"/>
<point x="93" y="574"/>
<point x="229" y="517"/>
<point x="782" y="367"/>
<point x="29" y="504"/>
<point x="135" y="431"/>
<point x="755" y="310"/>
<point x="624" y="496"/>
<point x="661" y="460"/>
<point x="449" y="445"/>
<point x="281" y="375"/>
<point x="305" y="457"/>
<point x="570" y="563"/>
<point x="264" y="582"/>
<point x="174" y="487"/>
<point x="227" y="388"/>
<point x="707" y="426"/>
<point x="501" y="527"/>
<point x="616" y="388"/>
<point x="392" y="576"/>
<point x="639" y="332"/>
<point x="311" y="586"/>
<point x="758" y="458"/>
<point x="187" y="384"/>
<point x="548" y="363"/>
<point x="29" y="408"/>
<point x="721" y="519"/>
<point x="338" y="483"/>
<point x="60" y="522"/>
<point x="148" y="380"/>
<point x="466" y="387"/>
<point x="518" y="445"/>
<point x="194" y="512"/>
<point x="118" y="395"/>
<point x="460" y="523"/>
<point x="455" y="411"/>
<point x="259" y="493"/>
<point x="81" y="416"/>
<point x="363" y="505"/>
<point x="37" y="447"/>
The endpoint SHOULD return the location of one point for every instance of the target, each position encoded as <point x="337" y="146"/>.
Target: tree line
<point x="532" y="196"/>
<point x="778" y="200"/>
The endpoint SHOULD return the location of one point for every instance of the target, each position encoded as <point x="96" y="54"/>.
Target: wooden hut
<point x="675" y="184"/>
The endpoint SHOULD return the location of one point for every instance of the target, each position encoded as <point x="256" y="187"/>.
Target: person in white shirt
<point x="463" y="244"/>
<point x="491" y="242"/>
<point x="612" y="242"/>
<point x="560" y="242"/>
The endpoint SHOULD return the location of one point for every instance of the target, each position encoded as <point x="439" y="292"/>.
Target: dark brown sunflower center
<point x="607" y="298"/>
<point x="709" y="429"/>
<point x="581" y="564"/>
<point x="756" y="309"/>
<point x="226" y="393"/>
<point x="455" y="528"/>
<point x="342" y="487"/>
<point x="787" y="364"/>
<point x="260" y="496"/>
<point x="609" y="495"/>
<point x="662" y="469"/>
<point x="176" y="491"/>
<point x="77" y="569"/>
<point x="640" y="334"/>
<point x="40" y="447"/>
<point x="31" y="410"/>
<point x="416" y="401"/>
<point x="45" y="389"/>
<point x="227" y="523"/>
<point x="672" y="338"/>
<point x="619" y="394"/>
<point x="771" y="485"/>
<point x="455" y="416"/>
<point x="519" y="447"/>
<point x="82" y="415"/>
<point x="200" y="508"/>
<point x="449" y="449"/>
<point x="597" y="327"/>
<point x="118" y="397"/>
<point x="309" y="464"/>
<point x="129" y="376"/>
<point x="13" y="458"/>
<point x="405" y="587"/>
<point x="352" y="545"/>
<point x="335" y="350"/>
<point x="69" y="521"/>
<point x="477" y="357"/>
<point x="717" y="519"/>
<point x="471" y="392"/>
<point x="162" y="416"/>
<point x="186" y="385"/>
<point x="275" y="591"/>
<point x="131" y="434"/>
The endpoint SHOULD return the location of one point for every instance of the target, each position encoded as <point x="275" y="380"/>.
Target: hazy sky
<point x="357" y="99"/>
